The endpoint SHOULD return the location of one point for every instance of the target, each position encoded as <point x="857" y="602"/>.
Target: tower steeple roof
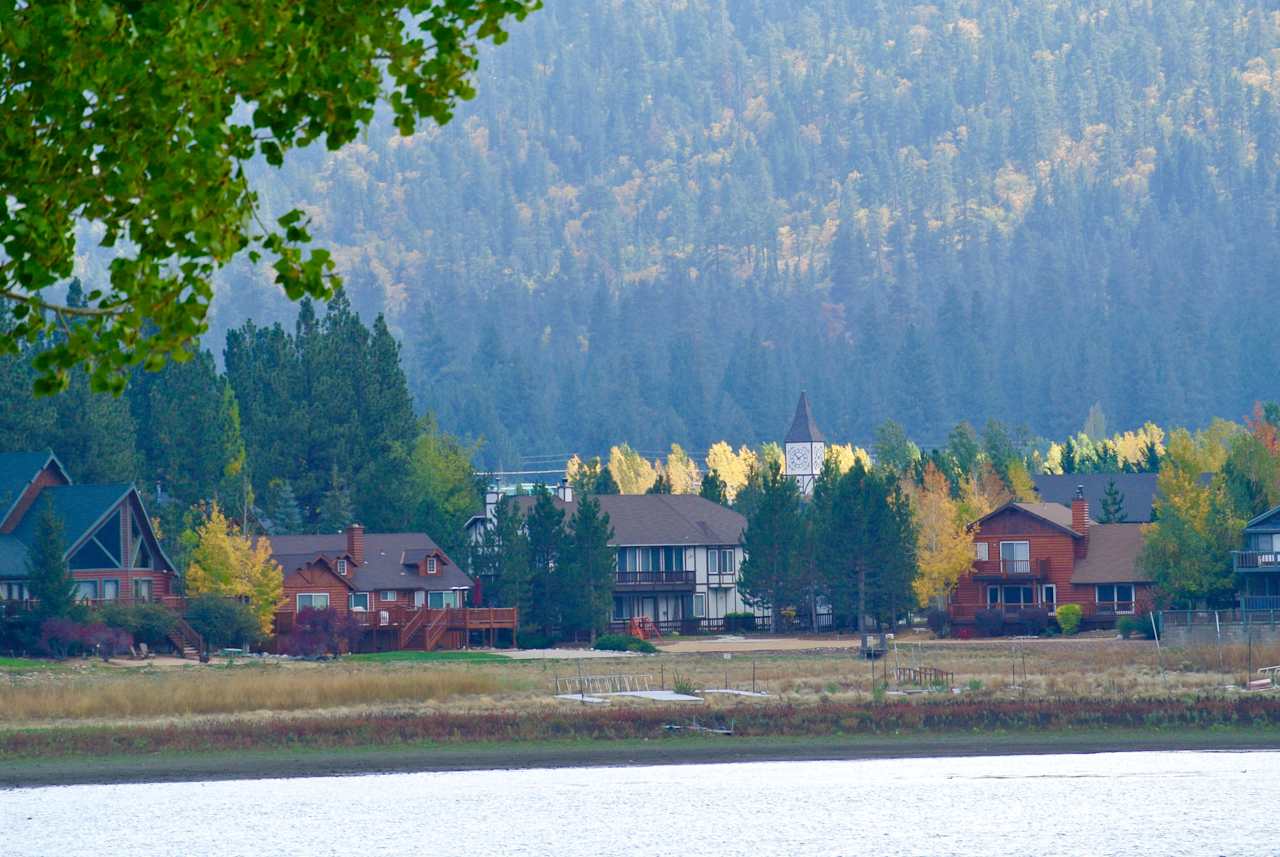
<point x="803" y="428"/>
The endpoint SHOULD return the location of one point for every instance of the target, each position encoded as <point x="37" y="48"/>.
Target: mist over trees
<point x="655" y="225"/>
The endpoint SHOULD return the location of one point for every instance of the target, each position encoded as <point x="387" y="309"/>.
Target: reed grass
<point x="193" y="692"/>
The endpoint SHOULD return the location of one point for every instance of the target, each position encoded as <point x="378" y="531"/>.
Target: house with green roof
<point x="112" y="549"/>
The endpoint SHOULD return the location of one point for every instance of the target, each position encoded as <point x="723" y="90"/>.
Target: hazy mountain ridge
<point x="659" y="220"/>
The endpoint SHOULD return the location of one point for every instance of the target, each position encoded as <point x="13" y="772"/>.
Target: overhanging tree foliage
<point x="140" y="118"/>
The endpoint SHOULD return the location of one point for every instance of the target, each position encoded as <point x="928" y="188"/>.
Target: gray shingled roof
<point x="803" y="428"/>
<point x="1139" y="490"/>
<point x="390" y="559"/>
<point x="660" y="519"/>
<point x="1113" y="556"/>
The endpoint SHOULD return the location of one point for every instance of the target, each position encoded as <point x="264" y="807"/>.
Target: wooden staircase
<point x="185" y="639"/>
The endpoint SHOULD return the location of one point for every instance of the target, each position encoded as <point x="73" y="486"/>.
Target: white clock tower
<point x="805" y="447"/>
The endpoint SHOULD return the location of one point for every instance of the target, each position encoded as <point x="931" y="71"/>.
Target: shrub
<point x="147" y="623"/>
<point x="743" y="622"/>
<point x="990" y="623"/>
<point x="682" y="685"/>
<point x="1069" y="616"/>
<point x="317" y="632"/>
<point x="222" y="621"/>
<point x="531" y="639"/>
<point x="939" y="621"/>
<point x="1034" y="620"/>
<point x="623" y="643"/>
<point x="61" y="637"/>
<point x="1131" y="626"/>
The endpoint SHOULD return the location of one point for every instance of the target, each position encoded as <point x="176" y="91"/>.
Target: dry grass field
<point x="32" y="695"/>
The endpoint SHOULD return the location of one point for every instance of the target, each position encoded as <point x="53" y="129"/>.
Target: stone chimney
<point x="1080" y="520"/>
<point x="565" y="491"/>
<point x="491" y="499"/>
<point x="355" y="543"/>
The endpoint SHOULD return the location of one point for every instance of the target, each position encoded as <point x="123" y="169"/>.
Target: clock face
<point x="798" y="459"/>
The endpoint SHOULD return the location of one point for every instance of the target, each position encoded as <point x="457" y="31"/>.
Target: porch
<point x="431" y="628"/>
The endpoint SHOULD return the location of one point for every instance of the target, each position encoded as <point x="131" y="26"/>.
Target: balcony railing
<point x="1261" y="602"/>
<point x="654" y="578"/>
<point x="1256" y="560"/>
<point x="1011" y="567"/>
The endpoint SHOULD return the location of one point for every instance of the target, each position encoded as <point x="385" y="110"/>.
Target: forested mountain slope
<point x="660" y="219"/>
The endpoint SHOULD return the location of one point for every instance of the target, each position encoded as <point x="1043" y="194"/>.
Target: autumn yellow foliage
<point x="632" y="473"/>
<point x="734" y="468"/>
<point x="843" y="456"/>
<point x="944" y="544"/>
<point x="225" y="562"/>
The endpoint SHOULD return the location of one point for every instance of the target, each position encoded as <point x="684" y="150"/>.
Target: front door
<point x="419" y="598"/>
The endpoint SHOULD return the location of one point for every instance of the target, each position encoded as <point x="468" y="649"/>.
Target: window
<point x="699" y="605"/>
<point x="1019" y="596"/>
<point x="387" y="595"/>
<point x="1015" y="557"/>
<point x="342" y="567"/>
<point x="440" y="600"/>
<point x="141" y="555"/>
<point x="713" y="561"/>
<point x="727" y="562"/>
<point x="1118" y="597"/>
<point x="87" y="590"/>
<point x="110" y="590"/>
<point x="980" y="551"/>
<point x="431" y="565"/>
<point x="654" y="559"/>
<point x="313" y="601"/>
<point x="142" y="590"/>
<point x="359" y="601"/>
<point x="14" y="591"/>
<point x="993" y="596"/>
<point x="1049" y="595"/>
<point x="620" y="611"/>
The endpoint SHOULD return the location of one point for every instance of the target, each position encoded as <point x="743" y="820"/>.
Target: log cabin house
<point x="1044" y="555"/>
<point x="112" y="549"/>
<point x="402" y="587"/>
<point x="1257" y="567"/>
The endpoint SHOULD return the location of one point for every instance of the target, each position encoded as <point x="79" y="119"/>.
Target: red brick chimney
<point x="1080" y="521"/>
<point x="355" y="543"/>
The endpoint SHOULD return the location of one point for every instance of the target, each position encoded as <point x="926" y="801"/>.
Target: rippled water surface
<point x="1123" y="804"/>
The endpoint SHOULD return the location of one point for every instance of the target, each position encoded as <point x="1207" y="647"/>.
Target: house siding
<point x="47" y="477"/>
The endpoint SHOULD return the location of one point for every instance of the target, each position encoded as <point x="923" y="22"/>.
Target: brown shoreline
<point x="183" y="767"/>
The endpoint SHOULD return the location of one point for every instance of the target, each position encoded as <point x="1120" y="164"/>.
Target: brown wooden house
<point x="401" y="586"/>
<point x="112" y="550"/>
<point x="1044" y="555"/>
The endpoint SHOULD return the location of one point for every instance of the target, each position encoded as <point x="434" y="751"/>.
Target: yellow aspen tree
<point x="731" y="467"/>
<point x="944" y="544"/>
<point x="225" y="562"/>
<point x="632" y="473"/>
<point x="682" y="471"/>
<point x="843" y="456"/>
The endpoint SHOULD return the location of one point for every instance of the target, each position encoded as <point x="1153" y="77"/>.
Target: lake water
<point x="1116" y="803"/>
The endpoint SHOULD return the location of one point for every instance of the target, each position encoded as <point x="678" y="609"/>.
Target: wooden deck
<point x="426" y="628"/>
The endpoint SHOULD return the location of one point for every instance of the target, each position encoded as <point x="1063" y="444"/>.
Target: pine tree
<point x="587" y="580"/>
<point x="545" y="527"/>
<point x="661" y="485"/>
<point x="713" y="488"/>
<point x="49" y="580"/>
<point x="1112" y="505"/>
<point x="282" y="509"/>
<point x="335" y="513"/>
<point x="772" y="539"/>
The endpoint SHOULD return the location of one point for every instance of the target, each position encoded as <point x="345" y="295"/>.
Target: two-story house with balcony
<point x="401" y="587"/>
<point x="1258" y="566"/>
<point x="1044" y="555"/>
<point x="678" y="556"/>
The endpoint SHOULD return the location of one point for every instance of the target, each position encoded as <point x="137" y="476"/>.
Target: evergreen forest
<point x="658" y="222"/>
